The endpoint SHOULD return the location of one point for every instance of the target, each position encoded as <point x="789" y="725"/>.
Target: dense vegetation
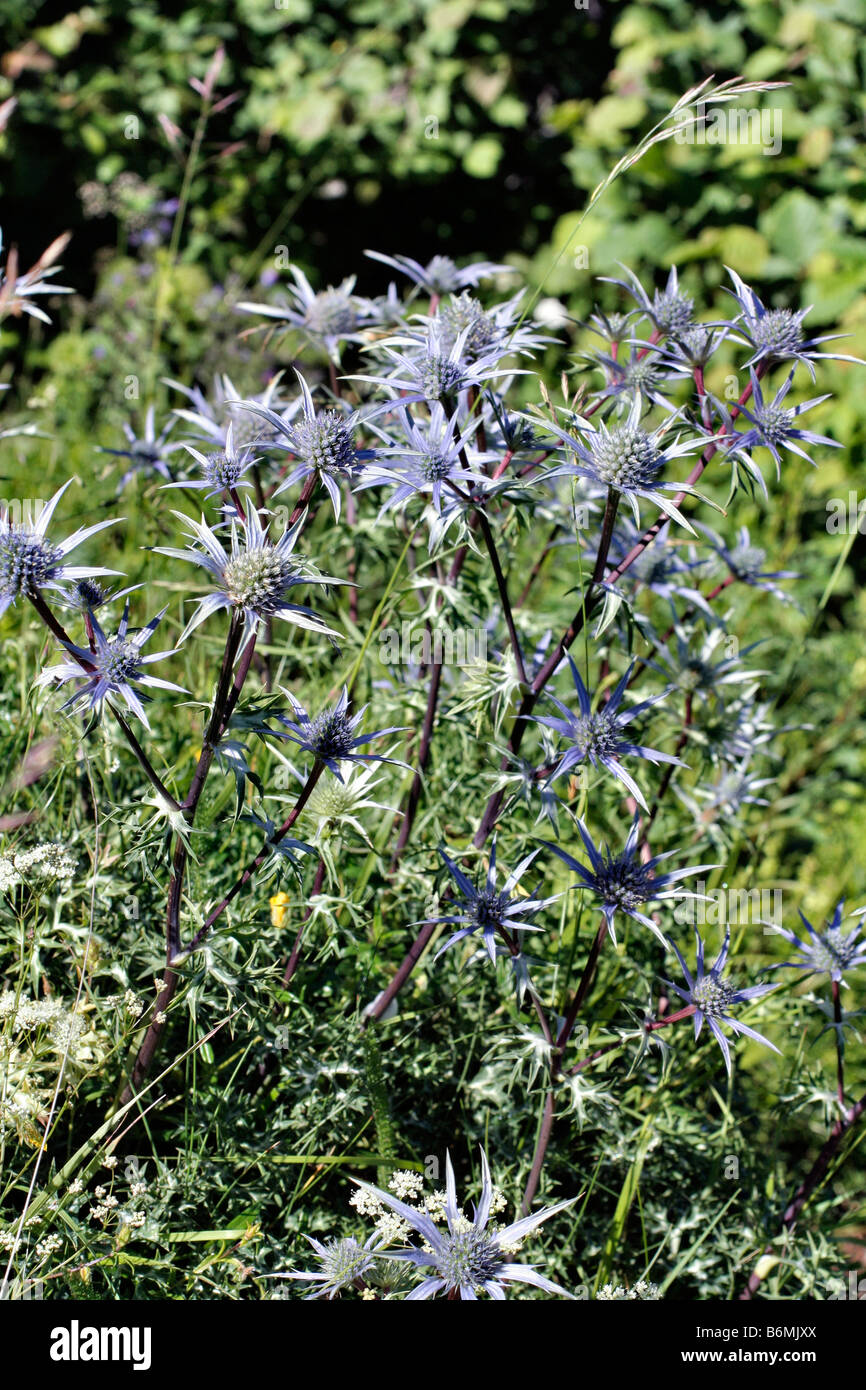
<point x="210" y="165"/>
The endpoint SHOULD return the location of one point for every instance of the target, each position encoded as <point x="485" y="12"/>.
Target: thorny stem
<point x="423" y="755"/>
<point x="306" y="493"/>
<point x="840" y="1046"/>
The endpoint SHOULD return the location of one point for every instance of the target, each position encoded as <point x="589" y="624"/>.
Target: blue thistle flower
<point x="733" y="788"/>
<point x="212" y="418"/>
<point x="693" y="347"/>
<point x="712" y="997"/>
<point x="732" y="732"/>
<point x="746" y="561"/>
<point x="342" y="1264"/>
<point x="223" y="469"/>
<point x="509" y="430"/>
<point x="330" y="736"/>
<point x="441" y="275"/>
<point x="432" y="457"/>
<point x="468" y="1258"/>
<point x="696" y="667"/>
<point x="322" y="440"/>
<point x="29" y="561"/>
<point x="497" y="329"/>
<point x="774" y="426"/>
<point x="640" y="372"/>
<point x="622" y="882"/>
<point x="828" y="952"/>
<point x="327" y="319"/>
<point x="150" y="452"/>
<point x="669" y="310"/>
<point x="114" y="667"/>
<point x="598" y="737"/>
<point x="611" y="327"/>
<point x="436" y="369"/>
<point x="488" y="908"/>
<point x="86" y="595"/>
<point x="255" y="577"/>
<point x="627" y="459"/>
<point x="777" y="335"/>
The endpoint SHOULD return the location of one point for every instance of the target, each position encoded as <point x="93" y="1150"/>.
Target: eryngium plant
<point x="444" y="436"/>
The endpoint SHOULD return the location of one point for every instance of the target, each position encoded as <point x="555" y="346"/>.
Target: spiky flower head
<point x="697" y="663"/>
<point x="612" y="327"/>
<point x="255" y="577"/>
<point x="669" y="309"/>
<point x="149" y="453"/>
<point x="440" y="275"/>
<point x="343" y="1264"/>
<point x="489" y="909"/>
<point x="830" y="951"/>
<point x="672" y="311"/>
<point x="777" y="335"/>
<point x="431" y="454"/>
<point x="713" y="998"/>
<point x="29" y="561"/>
<point x="469" y="1258"/>
<point x="340" y="803"/>
<point x="331" y="735"/>
<point x="331" y="314"/>
<point x="622" y="882"/>
<point x="113" y="667"/>
<point x="433" y="367"/>
<point x="626" y="458"/>
<point x="224" y="412"/>
<point x="774" y="425"/>
<point x="597" y="736"/>
<point x="322" y="440"/>
<point x="641" y="372"/>
<point x="746" y="562"/>
<point x="439" y="375"/>
<point x="326" y="319"/>
<point x="464" y="312"/>
<point x="222" y="470"/>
